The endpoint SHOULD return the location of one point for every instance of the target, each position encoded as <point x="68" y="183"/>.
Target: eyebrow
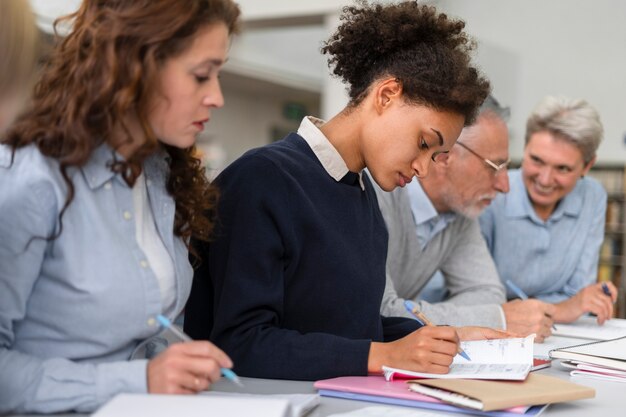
<point x="215" y="61"/>
<point x="438" y="134"/>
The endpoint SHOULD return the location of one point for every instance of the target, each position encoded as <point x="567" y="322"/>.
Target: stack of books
<point x="495" y="382"/>
<point x="604" y="359"/>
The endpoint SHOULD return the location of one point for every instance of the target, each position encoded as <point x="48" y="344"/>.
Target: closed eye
<point x="201" y="78"/>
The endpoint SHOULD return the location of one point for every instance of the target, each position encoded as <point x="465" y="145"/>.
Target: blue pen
<point x="411" y="307"/>
<point x="165" y="322"/>
<point x="605" y="289"/>
<point x="522" y="295"/>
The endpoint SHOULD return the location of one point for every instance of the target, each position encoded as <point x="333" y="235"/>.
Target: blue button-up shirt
<point x="73" y="309"/>
<point x="427" y="221"/>
<point x="554" y="259"/>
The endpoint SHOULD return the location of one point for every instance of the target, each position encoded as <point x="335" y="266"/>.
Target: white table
<point x="610" y="397"/>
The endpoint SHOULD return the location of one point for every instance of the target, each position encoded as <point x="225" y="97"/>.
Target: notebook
<point x="496" y="395"/>
<point x="376" y="389"/>
<point x="299" y="404"/>
<point x="609" y="353"/>
<point x="155" y="405"/>
<point x="508" y="359"/>
<point x="588" y="328"/>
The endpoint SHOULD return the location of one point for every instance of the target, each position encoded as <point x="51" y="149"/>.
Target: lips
<point x="542" y="190"/>
<point x="404" y="180"/>
<point x="200" y="124"/>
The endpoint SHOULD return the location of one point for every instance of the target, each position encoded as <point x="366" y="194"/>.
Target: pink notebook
<point x="376" y="388"/>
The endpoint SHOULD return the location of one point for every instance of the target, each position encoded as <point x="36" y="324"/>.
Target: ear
<point x="588" y="167"/>
<point x="444" y="158"/>
<point x="387" y="92"/>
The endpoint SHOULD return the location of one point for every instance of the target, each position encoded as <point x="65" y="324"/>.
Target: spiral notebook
<point x="609" y="353"/>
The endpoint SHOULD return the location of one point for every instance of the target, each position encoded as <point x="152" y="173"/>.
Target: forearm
<point x="488" y="315"/>
<point x="267" y="352"/>
<point x="29" y="384"/>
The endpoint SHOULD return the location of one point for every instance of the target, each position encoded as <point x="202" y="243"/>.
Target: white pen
<point x="165" y="322"/>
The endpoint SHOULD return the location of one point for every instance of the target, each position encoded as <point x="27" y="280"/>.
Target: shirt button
<point x="107" y="186"/>
<point x="148" y="182"/>
<point x="143" y="264"/>
<point x="127" y="215"/>
<point x="151" y="322"/>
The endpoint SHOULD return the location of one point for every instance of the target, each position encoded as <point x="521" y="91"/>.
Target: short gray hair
<point x="492" y="107"/>
<point x="573" y="120"/>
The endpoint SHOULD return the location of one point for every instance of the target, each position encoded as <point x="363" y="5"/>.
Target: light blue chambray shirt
<point x="73" y="310"/>
<point x="427" y="221"/>
<point x="550" y="260"/>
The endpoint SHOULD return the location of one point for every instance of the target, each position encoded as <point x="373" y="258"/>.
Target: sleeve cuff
<point x="116" y="377"/>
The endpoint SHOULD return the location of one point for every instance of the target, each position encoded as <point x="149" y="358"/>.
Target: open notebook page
<point x="490" y="359"/>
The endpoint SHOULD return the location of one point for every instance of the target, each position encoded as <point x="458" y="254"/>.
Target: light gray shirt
<point x="73" y="309"/>
<point x="457" y="250"/>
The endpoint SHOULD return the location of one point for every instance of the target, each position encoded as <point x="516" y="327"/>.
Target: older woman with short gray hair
<point x="545" y="234"/>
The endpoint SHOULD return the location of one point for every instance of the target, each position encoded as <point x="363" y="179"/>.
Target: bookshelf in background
<point x="611" y="266"/>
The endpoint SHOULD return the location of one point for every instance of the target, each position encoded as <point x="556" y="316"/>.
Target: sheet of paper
<point x="588" y="328"/>
<point x="153" y="405"/>
<point x="490" y="359"/>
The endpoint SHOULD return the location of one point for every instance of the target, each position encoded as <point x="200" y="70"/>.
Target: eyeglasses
<point x="497" y="168"/>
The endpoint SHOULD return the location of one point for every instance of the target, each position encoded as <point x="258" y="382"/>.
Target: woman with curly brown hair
<point x="100" y="194"/>
<point x="295" y="276"/>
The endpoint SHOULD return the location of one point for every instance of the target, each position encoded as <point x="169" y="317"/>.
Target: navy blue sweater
<point x="291" y="286"/>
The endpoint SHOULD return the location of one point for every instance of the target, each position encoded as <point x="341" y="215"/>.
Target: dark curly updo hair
<point x="425" y="50"/>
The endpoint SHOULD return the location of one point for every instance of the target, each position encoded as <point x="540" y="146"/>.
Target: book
<point x="378" y="390"/>
<point x="588" y="328"/>
<point x="508" y="359"/>
<point x="594" y="371"/>
<point x="540" y="363"/>
<point x="495" y="395"/>
<point x="608" y="353"/>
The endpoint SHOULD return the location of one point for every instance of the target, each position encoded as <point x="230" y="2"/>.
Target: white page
<point x="299" y="404"/>
<point x="587" y="328"/>
<point x="611" y="349"/>
<point x="490" y="359"/>
<point x="154" y="405"/>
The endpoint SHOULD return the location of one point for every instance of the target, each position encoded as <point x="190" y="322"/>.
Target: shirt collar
<point x="97" y="170"/>
<point x="421" y="206"/>
<point x="428" y="222"/>
<point x="325" y="152"/>
<point x="518" y="203"/>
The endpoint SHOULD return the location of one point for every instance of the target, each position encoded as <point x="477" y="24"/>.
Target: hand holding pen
<point x="522" y="296"/>
<point x="186" y="368"/>
<point x="411" y="307"/>
<point x="596" y="299"/>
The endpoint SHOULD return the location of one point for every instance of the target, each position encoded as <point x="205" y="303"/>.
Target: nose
<point x="545" y="176"/>
<point x="502" y="181"/>
<point x="214" y="96"/>
<point x="421" y="164"/>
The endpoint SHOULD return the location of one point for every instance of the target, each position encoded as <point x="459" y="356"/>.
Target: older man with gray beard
<point x="432" y="227"/>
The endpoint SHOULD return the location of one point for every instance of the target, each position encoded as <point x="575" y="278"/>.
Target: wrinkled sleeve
<point x="586" y="270"/>
<point x="29" y="383"/>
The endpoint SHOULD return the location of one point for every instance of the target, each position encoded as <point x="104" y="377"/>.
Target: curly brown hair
<point x="425" y="50"/>
<point x="107" y="68"/>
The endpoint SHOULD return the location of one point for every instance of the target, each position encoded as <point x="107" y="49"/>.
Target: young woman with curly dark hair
<point x="295" y="276"/>
<point x="100" y="195"/>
